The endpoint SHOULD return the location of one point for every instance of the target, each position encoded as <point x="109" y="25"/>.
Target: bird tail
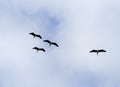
<point x="50" y="44"/>
<point x="97" y="53"/>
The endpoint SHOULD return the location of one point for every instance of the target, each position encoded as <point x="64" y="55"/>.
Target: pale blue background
<point x="78" y="26"/>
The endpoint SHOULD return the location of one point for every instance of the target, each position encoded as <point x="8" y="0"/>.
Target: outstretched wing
<point x="39" y="36"/>
<point x="36" y="48"/>
<point x="93" y="51"/>
<point x="32" y="33"/>
<point x="47" y="41"/>
<point x="42" y="49"/>
<point x="101" y="50"/>
<point x="53" y="43"/>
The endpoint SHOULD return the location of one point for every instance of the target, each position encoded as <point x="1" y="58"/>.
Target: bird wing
<point x="42" y="49"/>
<point x="47" y="41"/>
<point x="39" y="36"/>
<point x="35" y="47"/>
<point x="53" y="43"/>
<point x="32" y="33"/>
<point x="93" y="51"/>
<point x="101" y="50"/>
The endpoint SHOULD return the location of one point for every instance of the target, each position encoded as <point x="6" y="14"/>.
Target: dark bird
<point x="35" y="35"/>
<point x="51" y="43"/>
<point x="97" y="51"/>
<point x="39" y="49"/>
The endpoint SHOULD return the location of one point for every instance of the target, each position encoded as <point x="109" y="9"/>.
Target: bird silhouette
<point x="98" y="51"/>
<point x="35" y="35"/>
<point x="39" y="49"/>
<point x="51" y="43"/>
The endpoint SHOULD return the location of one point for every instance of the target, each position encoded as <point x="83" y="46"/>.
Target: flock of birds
<point x="55" y="44"/>
<point x="47" y="41"/>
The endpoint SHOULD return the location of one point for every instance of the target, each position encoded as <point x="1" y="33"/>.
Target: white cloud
<point x="82" y="26"/>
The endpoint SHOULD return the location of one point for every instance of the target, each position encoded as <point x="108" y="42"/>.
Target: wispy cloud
<point x="77" y="26"/>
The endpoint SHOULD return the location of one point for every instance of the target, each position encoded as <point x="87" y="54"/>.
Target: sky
<point x="78" y="26"/>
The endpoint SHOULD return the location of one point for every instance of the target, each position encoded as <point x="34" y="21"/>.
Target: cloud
<point x="77" y="26"/>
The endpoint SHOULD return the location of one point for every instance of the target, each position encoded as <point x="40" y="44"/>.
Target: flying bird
<point x="35" y="35"/>
<point x="39" y="49"/>
<point x="98" y="51"/>
<point x="51" y="43"/>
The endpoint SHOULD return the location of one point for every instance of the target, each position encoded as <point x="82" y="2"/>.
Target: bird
<point x="51" y="43"/>
<point x="98" y="51"/>
<point x="35" y="35"/>
<point x="39" y="49"/>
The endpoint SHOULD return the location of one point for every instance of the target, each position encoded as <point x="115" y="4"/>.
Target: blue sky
<point x="77" y="26"/>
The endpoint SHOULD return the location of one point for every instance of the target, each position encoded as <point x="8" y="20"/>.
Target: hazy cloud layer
<point x="77" y="26"/>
